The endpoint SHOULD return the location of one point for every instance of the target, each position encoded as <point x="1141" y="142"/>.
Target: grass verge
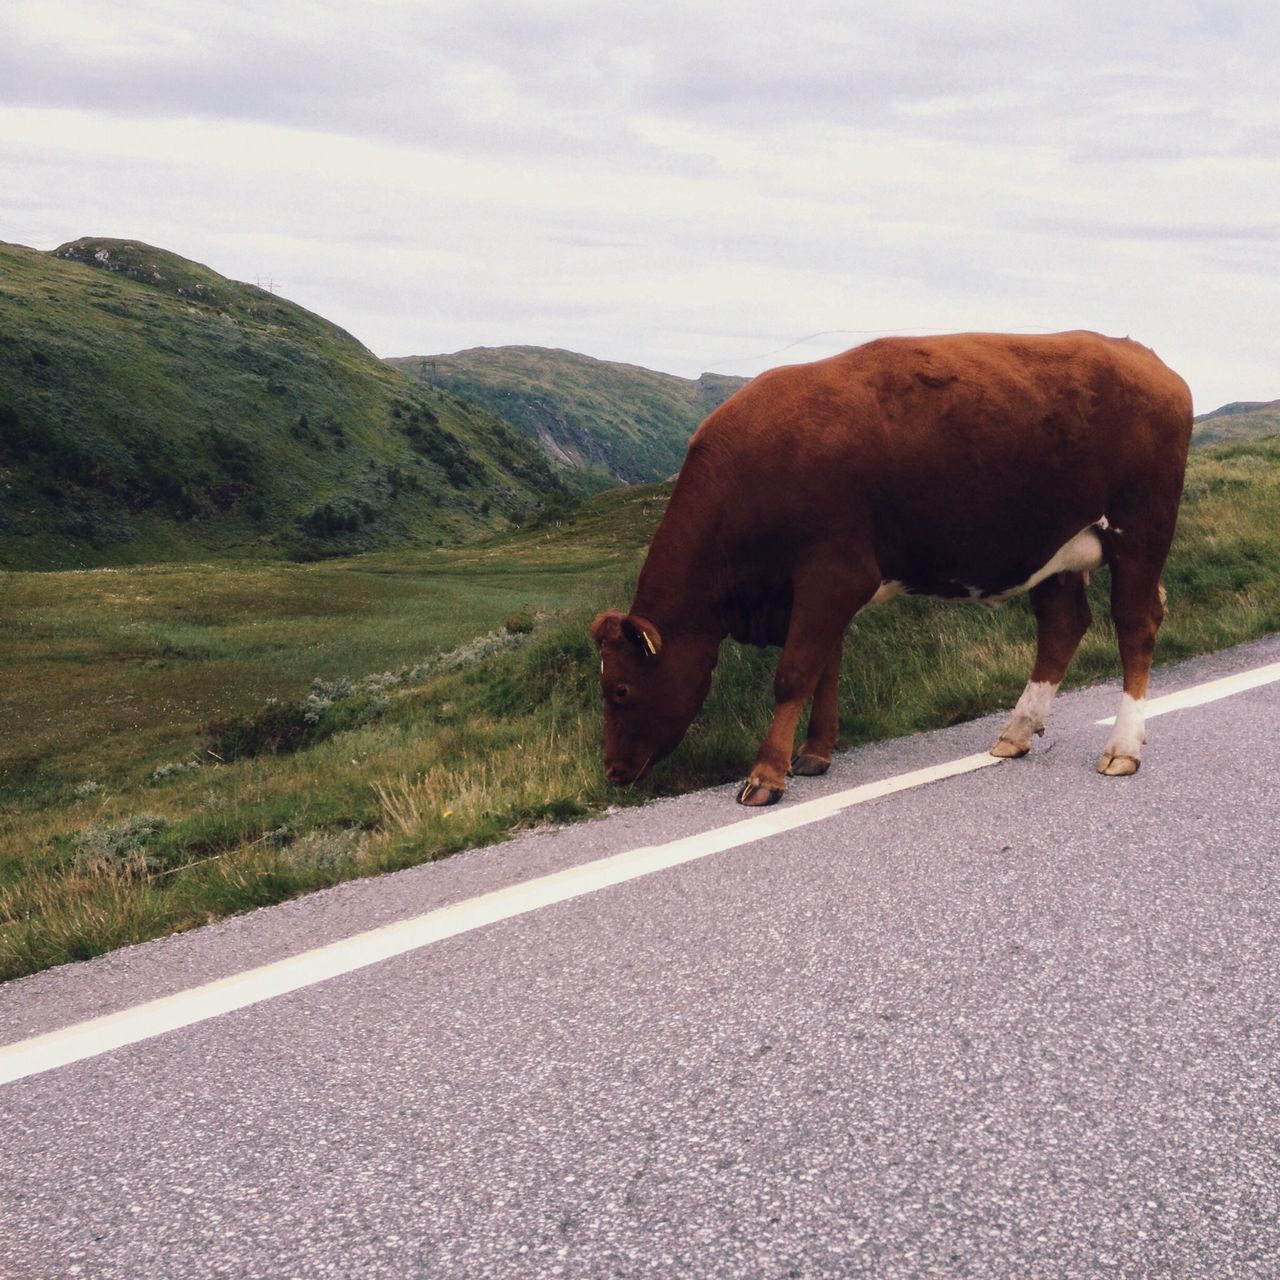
<point x="117" y="824"/>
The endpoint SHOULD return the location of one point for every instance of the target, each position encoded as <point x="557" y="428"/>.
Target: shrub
<point x="278" y="728"/>
<point x="340" y="515"/>
<point x="120" y="849"/>
<point x="233" y="456"/>
<point x="275" y="727"/>
<point x="174" y="769"/>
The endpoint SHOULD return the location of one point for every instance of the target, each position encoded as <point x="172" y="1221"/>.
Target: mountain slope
<point x="616" y="422"/>
<point x="1240" y="420"/>
<point x="152" y="409"/>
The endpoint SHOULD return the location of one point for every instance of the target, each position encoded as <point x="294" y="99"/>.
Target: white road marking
<point x="169" y="1013"/>
<point x="198" y="1004"/>
<point x="1210" y="691"/>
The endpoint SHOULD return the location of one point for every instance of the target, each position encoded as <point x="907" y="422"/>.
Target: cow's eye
<point x="620" y="693"/>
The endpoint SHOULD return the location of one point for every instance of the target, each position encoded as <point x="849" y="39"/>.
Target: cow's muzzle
<point x="621" y="774"/>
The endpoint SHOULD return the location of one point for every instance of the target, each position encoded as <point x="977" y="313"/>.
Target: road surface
<point x="1023" y="1021"/>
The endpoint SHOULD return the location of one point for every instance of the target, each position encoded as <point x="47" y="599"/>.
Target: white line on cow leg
<point x="1130" y="732"/>
<point x="1028" y="720"/>
<point x="1123" y="751"/>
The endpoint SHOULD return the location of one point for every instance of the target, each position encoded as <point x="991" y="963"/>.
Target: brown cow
<point x="975" y="466"/>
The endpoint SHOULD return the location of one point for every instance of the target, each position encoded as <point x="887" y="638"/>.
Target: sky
<point x="685" y="185"/>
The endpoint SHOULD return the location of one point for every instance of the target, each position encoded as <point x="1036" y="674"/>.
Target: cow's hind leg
<point x="814" y="757"/>
<point x="1137" y="607"/>
<point x="821" y="608"/>
<point x="1062" y="618"/>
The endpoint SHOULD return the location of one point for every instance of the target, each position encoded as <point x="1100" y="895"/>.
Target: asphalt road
<point x="1021" y="1022"/>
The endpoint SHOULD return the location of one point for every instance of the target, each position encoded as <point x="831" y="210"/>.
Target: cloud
<point x="677" y="184"/>
<point x="508" y="75"/>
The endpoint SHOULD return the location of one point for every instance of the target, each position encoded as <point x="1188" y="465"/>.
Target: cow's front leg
<point x="821" y="607"/>
<point x="814" y="757"/>
<point x="792" y="685"/>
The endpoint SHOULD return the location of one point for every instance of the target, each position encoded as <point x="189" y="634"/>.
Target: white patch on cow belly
<point x="1078" y="555"/>
<point x="886" y="591"/>
<point x="1129" y="732"/>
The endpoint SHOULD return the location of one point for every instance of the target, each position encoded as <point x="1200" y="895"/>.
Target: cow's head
<point x="652" y="690"/>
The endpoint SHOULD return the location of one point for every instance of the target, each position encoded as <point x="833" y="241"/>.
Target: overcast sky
<point x="679" y="184"/>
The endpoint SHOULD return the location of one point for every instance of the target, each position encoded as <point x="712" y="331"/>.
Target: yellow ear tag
<point x="648" y="644"/>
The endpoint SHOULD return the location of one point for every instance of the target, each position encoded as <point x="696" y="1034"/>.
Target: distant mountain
<point x="152" y="409"/>
<point x="1240" y="420"/>
<point x="614" y="422"/>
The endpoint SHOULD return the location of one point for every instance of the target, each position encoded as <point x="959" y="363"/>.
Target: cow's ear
<point x="607" y="626"/>
<point x="642" y="633"/>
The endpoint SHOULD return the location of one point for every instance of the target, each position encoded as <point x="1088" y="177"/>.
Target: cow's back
<point x="970" y="457"/>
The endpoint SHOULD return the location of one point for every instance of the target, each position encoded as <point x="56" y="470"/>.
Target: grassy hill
<point x="615" y="422"/>
<point x="152" y="409"/>
<point x="1239" y="421"/>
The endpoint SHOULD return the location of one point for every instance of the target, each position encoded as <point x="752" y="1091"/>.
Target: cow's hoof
<point x="1117" y="766"/>
<point x="756" y="795"/>
<point x="1007" y="749"/>
<point x="809" y="766"/>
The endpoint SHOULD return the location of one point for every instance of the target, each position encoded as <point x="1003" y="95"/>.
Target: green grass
<point x="120" y="682"/>
<point x="151" y="409"/>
